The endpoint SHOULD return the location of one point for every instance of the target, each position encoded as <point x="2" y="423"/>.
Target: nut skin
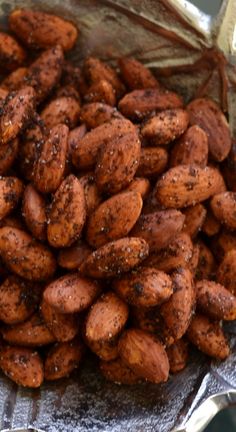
<point x="144" y="355"/>
<point x="208" y="337"/>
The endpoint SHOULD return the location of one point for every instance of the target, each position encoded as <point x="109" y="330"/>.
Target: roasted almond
<point x="42" y="30"/>
<point x="71" y="293"/>
<point x="67" y="214"/>
<point x="145" y="355"/>
<point x="207" y="114"/>
<point x="11" y="190"/>
<point x="12" y="54"/>
<point x="186" y="185"/>
<point x="34" y="212"/>
<point x="136" y="75"/>
<point x="191" y="148"/>
<point x="178" y="355"/>
<point x="117" y="372"/>
<point x="178" y="310"/>
<point x="215" y="300"/>
<point x="114" y="218"/>
<point x="208" y="337"/>
<point x="96" y="113"/>
<point x="166" y="126"/>
<point x="101" y="91"/>
<point x="62" y="359"/>
<point x="50" y="166"/>
<point x="91" y="193"/>
<point x="63" y="109"/>
<point x="141" y="185"/>
<point x="63" y="326"/>
<point x="223" y="206"/>
<point x="194" y="219"/>
<point x="138" y="104"/>
<point x="144" y="287"/>
<point x="159" y="228"/>
<point x="153" y="161"/>
<point x="115" y="258"/>
<point x="72" y="257"/>
<point x="206" y="262"/>
<point x="226" y="274"/>
<point x="15" y="80"/>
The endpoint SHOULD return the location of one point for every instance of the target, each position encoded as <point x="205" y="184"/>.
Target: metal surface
<point x="168" y="35"/>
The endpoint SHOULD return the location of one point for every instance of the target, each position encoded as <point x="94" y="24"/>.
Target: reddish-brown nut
<point x="24" y="256"/>
<point x="178" y="253"/>
<point x="94" y="70"/>
<point x="8" y="154"/>
<point x="30" y="148"/>
<point x="223" y="206"/>
<point x="64" y="327"/>
<point x="34" y="212"/>
<point x="15" y="80"/>
<point x="101" y="91"/>
<point x="85" y="153"/>
<point x="178" y="310"/>
<point x="185" y="185"/>
<point x="116" y="371"/>
<point x="215" y="300"/>
<point x="64" y="110"/>
<point x="18" y="300"/>
<point x="153" y="161"/>
<point x="141" y="185"/>
<point x="159" y="228"/>
<point x="191" y="148"/>
<point x="194" y="219"/>
<point x="106" y="319"/>
<point x="206" y="262"/>
<point x="144" y="287"/>
<point x="178" y="355"/>
<point x="115" y="258"/>
<point x="96" y="113"/>
<point x="50" y="166"/>
<point x="145" y="355"/>
<point x="166" y="126"/>
<point x="62" y="359"/>
<point x="45" y="72"/>
<point x="67" y="214"/>
<point x="208" y="337"/>
<point x="75" y="135"/>
<point x="42" y="30"/>
<point x="114" y="218"/>
<point x="71" y="293"/>
<point x="22" y="365"/>
<point x="30" y="333"/>
<point x="91" y="193"/>
<point x="211" y="226"/>
<point x="136" y="75"/>
<point x="223" y="243"/>
<point x="138" y="104"/>
<point x="226" y="274"/>
<point x="207" y="114"/>
<point x="16" y="111"/>
<point x="72" y="257"/>
<point x="11" y="190"/>
<point x="12" y="54"/>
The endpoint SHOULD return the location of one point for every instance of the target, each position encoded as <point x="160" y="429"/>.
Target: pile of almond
<point x="117" y="214"/>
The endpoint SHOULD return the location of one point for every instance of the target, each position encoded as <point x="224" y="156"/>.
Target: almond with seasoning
<point x="114" y="218"/>
<point x="116" y="371"/>
<point x="186" y="185"/>
<point x="153" y="161"/>
<point x="191" y="148"/>
<point x="63" y="326"/>
<point x="71" y="293"/>
<point x="208" y="337"/>
<point x="136" y="75"/>
<point x="226" y="274"/>
<point x="62" y="359"/>
<point x="144" y="355"/>
<point x="63" y="109"/>
<point x="144" y="287"/>
<point x="105" y="320"/>
<point x="115" y="258"/>
<point x="223" y="206"/>
<point x="96" y="113"/>
<point x="23" y="365"/>
<point x="11" y="190"/>
<point x="34" y="212"/>
<point x="67" y="214"/>
<point x="215" y="300"/>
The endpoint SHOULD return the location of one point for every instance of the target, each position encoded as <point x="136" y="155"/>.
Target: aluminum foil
<point x="193" y="54"/>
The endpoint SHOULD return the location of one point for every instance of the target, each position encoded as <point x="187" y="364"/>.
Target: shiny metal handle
<point x="207" y="410"/>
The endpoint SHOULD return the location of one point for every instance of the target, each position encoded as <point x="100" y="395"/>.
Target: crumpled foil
<point x="194" y="55"/>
